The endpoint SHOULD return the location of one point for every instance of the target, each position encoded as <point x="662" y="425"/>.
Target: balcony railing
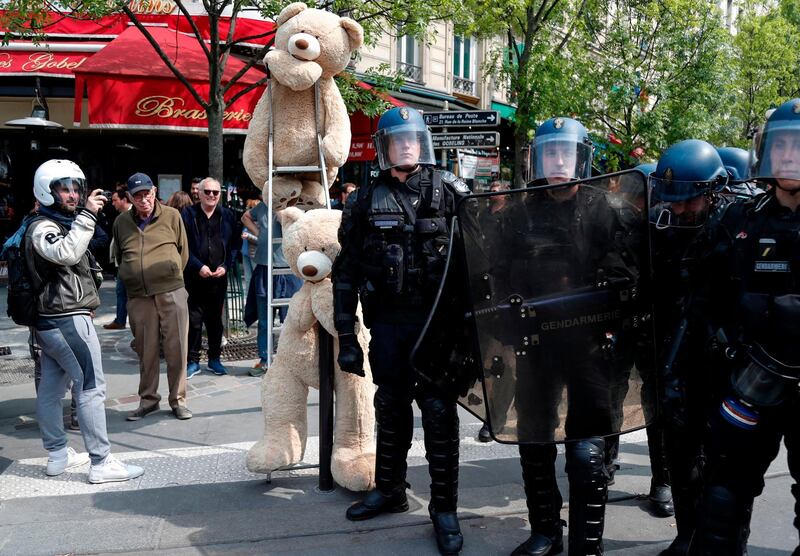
<point x="410" y="71"/>
<point x="464" y="86"/>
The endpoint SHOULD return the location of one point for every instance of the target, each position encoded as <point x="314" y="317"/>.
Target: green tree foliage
<point x="535" y="64"/>
<point x="657" y="75"/>
<point x="766" y="65"/>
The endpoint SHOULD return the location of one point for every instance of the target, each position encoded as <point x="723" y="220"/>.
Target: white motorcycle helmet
<point x="55" y="173"/>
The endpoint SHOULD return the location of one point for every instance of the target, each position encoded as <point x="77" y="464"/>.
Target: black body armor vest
<point x="405" y="243"/>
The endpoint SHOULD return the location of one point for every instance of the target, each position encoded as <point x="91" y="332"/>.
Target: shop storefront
<point x="115" y="107"/>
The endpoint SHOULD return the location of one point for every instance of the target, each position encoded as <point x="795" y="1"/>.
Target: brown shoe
<point x="182" y="412"/>
<point x="140" y="412"/>
<point x="114" y="325"/>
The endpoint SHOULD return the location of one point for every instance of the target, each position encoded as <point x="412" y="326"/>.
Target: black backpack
<point x="23" y="288"/>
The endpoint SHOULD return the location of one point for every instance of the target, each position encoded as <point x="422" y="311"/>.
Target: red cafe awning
<point x="130" y="87"/>
<point x="28" y="59"/>
<point x="250" y="31"/>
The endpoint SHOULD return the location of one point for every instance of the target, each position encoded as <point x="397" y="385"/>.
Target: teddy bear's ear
<point x="289" y="216"/>
<point x="289" y="12"/>
<point x="354" y="31"/>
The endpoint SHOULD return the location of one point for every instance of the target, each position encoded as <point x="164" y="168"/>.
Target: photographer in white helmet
<point x="63" y="272"/>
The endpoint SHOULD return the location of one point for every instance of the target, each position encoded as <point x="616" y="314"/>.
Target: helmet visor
<point x="68" y="192"/>
<point x="559" y="158"/>
<point x="670" y="190"/>
<point x="686" y="213"/>
<point x="776" y="151"/>
<point x="404" y="146"/>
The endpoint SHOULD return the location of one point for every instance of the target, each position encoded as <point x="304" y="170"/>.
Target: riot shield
<point x="543" y="324"/>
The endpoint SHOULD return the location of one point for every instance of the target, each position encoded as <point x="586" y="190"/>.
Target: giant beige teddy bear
<point x="310" y="245"/>
<point x="311" y="46"/>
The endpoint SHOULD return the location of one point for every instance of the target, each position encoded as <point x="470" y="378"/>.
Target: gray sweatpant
<point x="71" y="350"/>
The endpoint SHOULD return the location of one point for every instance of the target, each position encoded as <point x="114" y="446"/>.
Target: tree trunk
<point x="521" y="158"/>
<point x="215" y="158"/>
<point x="216" y="108"/>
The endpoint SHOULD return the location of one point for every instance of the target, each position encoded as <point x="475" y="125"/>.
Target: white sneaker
<point x="58" y="466"/>
<point x="113" y="470"/>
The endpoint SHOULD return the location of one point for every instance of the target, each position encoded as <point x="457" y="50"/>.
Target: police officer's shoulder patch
<point x="455" y="182"/>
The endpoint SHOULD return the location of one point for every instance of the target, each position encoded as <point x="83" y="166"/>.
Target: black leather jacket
<point x="58" y="260"/>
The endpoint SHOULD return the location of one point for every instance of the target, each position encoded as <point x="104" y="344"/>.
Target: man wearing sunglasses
<point x="214" y="236"/>
<point x="151" y="250"/>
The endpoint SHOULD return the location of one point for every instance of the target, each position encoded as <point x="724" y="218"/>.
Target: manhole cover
<point x="16" y="371"/>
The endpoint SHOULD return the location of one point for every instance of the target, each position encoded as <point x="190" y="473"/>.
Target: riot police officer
<point x="394" y="237"/>
<point x="684" y="189"/>
<point x="755" y="301"/>
<point x="579" y="221"/>
<point x="660" y="495"/>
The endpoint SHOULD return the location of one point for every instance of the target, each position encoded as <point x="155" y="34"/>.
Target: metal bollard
<point x="325" y="410"/>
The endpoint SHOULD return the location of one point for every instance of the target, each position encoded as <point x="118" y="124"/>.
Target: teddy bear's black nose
<point x="309" y="270"/>
<point x="302" y="44"/>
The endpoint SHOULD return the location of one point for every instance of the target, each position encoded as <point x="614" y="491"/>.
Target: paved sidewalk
<point x="196" y="497"/>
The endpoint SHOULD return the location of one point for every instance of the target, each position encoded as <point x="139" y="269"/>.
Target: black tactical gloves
<point x="351" y="357"/>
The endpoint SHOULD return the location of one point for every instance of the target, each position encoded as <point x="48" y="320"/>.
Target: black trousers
<point x="398" y="386"/>
<point x="206" y="299"/>
<point x="545" y="384"/>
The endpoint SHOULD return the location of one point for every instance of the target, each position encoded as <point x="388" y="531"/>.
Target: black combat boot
<point x="543" y="499"/>
<point x="588" y="492"/>
<point x="376" y="503"/>
<point x="440" y="423"/>
<point x="660" y="496"/>
<point x="395" y="430"/>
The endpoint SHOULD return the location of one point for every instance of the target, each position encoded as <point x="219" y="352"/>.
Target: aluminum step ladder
<point x="322" y="170"/>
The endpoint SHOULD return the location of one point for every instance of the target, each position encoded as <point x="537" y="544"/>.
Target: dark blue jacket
<point x="231" y="230"/>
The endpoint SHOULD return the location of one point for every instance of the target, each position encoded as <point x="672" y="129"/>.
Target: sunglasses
<point x="211" y="192"/>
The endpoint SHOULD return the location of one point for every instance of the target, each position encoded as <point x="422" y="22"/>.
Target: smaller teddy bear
<point x="310" y="246"/>
<point x="311" y="46"/>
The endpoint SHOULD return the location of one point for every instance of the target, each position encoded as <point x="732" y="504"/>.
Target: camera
<point x="107" y="194"/>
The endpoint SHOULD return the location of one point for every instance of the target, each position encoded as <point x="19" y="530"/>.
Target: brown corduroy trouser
<point x="156" y="321"/>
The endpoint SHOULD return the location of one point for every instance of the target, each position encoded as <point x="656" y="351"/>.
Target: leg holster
<point x="440" y="423"/>
<point x="588" y="492"/>
<point x="395" y="429"/>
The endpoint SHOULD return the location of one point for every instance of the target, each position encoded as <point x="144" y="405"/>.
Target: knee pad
<point x="586" y="461"/>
